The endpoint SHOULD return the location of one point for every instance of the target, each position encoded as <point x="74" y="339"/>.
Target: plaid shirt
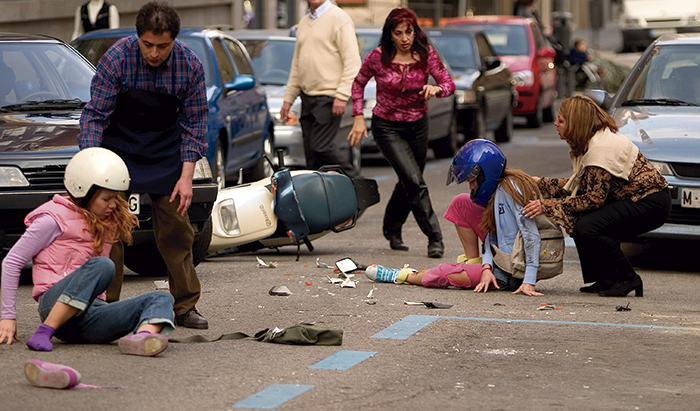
<point x="182" y="75"/>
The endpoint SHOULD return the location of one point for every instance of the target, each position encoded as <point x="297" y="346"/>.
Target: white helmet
<point x="93" y="168"/>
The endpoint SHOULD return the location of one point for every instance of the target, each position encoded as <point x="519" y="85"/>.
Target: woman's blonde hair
<point x="519" y="186"/>
<point x="117" y="227"/>
<point x="583" y="119"/>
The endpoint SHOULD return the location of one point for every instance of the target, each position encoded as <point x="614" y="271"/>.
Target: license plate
<point x="134" y="203"/>
<point x="690" y="197"/>
<point x="660" y="32"/>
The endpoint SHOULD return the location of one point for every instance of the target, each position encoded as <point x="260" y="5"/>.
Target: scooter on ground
<point x="289" y="208"/>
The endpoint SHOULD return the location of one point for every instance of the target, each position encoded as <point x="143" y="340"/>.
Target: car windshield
<point x="457" y="50"/>
<point x="272" y="59"/>
<point x="37" y="72"/>
<point x="505" y="39"/>
<point x="669" y="75"/>
<point x="368" y="42"/>
<point x="93" y="49"/>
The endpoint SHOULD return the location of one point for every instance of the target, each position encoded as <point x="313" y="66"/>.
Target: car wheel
<point x="356" y="158"/>
<point x="262" y="168"/>
<point x="534" y="120"/>
<point x="145" y="260"/>
<point x="219" y="171"/>
<point x="504" y="132"/>
<point x="448" y="145"/>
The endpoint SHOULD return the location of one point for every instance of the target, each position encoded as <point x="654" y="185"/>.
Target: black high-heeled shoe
<point x="596" y="287"/>
<point x="622" y="288"/>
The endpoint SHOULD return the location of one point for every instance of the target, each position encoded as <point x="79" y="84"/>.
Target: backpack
<point x="551" y="252"/>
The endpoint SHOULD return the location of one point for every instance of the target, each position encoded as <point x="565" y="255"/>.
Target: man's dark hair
<point x="158" y="17"/>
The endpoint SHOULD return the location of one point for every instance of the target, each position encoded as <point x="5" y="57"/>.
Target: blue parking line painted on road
<point x="406" y="327"/>
<point x="272" y="396"/>
<point x="411" y="324"/>
<point x="342" y="360"/>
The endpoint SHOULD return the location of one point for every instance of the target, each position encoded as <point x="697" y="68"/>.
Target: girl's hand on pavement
<point x="487" y="279"/>
<point x="527" y="289"/>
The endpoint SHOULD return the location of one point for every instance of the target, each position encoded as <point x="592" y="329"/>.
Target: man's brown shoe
<point x="192" y="319"/>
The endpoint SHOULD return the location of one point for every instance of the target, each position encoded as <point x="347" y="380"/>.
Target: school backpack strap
<point x="551" y="256"/>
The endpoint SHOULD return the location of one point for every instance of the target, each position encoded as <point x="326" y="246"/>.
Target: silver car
<point x="658" y="108"/>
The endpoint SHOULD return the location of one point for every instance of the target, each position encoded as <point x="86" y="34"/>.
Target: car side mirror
<point x="600" y="97"/>
<point x="546" y="52"/>
<point x="240" y="82"/>
<point x="491" y="62"/>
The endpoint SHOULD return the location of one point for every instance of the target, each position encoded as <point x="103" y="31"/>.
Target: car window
<point x="94" y="48"/>
<point x="271" y="59"/>
<point x="239" y="57"/>
<point x="226" y="69"/>
<point x="368" y="42"/>
<point x="505" y="39"/>
<point x="43" y="71"/>
<point x="457" y="50"/>
<point x="669" y="72"/>
<point x="199" y="46"/>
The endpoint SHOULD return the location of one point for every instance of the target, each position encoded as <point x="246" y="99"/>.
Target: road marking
<point x="272" y="396"/>
<point x="411" y="324"/>
<point x="342" y="360"/>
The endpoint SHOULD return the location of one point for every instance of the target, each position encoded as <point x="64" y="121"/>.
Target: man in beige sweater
<point x="326" y="61"/>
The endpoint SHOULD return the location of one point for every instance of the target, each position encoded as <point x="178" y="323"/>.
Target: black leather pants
<point x="405" y="146"/>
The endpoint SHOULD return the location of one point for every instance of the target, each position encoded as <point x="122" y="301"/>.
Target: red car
<point x="520" y="43"/>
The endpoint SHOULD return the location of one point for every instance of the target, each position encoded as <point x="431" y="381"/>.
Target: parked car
<point x="271" y="53"/>
<point x="44" y="84"/>
<point x="485" y="94"/>
<point x="520" y="43"/>
<point x="239" y="125"/>
<point x="443" y="136"/>
<point x="641" y="21"/>
<point x="658" y="108"/>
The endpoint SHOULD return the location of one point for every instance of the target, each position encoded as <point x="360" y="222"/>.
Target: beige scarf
<point x="611" y="151"/>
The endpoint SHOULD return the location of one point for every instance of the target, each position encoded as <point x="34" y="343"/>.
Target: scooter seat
<point x="326" y="199"/>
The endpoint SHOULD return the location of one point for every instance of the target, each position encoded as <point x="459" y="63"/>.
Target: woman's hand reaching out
<point x="429" y="91"/>
<point x="533" y="209"/>
<point x="359" y="129"/>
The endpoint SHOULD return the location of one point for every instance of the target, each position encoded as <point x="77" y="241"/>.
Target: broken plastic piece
<point x="348" y="283"/>
<point x="319" y="264"/>
<point x="548" y="307"/>
<point x="334" y="280"/>
<point x="280" y="290"/>
<point x="162" y="285"/>
<point x="263" y="264"/>
<point x="371" y="292"/>
<point x="429" y="304"/>
<point x="625" y="308"/>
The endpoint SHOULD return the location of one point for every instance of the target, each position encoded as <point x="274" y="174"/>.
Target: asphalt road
<point x="493" y="351"/>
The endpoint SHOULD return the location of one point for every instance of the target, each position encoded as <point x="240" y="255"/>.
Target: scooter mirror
<point x="346" y="265"/>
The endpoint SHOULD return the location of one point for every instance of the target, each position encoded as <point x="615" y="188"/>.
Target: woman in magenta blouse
<point x="401" y="66"/>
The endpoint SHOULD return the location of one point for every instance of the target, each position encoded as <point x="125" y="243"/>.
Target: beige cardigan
<point x="608" y="150"/>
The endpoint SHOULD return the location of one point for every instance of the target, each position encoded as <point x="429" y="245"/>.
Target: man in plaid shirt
<point x="148" y="104"/>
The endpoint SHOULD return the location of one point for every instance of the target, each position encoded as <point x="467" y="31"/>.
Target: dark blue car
<point x="239" y="127"/>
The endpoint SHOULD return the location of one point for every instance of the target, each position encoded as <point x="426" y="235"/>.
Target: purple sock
<point x="41" y="340"/>
<point x="144" y="332"/>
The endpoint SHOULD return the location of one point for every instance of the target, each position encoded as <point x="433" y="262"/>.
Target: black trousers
<point x="320" y="127"/>
<point x="598" y="234"/>
<point x="405" y="146"/>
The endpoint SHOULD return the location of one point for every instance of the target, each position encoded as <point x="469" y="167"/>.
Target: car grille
<point x="688" y="216"/>
<point x="45" y="177"/>
<point x="686" y="170"/>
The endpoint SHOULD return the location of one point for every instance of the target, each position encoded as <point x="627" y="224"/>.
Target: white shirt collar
<point x="320" y="10"/>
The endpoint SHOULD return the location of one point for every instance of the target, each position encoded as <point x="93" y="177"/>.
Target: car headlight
<point x="523" y="78"/>
<point x="228" y="218"/>
<point x="465" y="96"/>
<point x="12" y="177"/>
<point x="202" y="171"/>
<point x="292" y="120"/>
<point x="694" y="19"/>
<point x="663" y="168"/>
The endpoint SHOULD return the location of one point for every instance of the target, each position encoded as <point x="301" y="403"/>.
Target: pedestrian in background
<point x="95" y="15"/>
<point x="326" y="60"/>
<point x="148" y="104"/>
<point x="401" y="66"/>
<point x="614" y="194"/>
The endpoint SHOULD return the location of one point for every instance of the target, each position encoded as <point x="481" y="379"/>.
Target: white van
<point x="642" y="21"/>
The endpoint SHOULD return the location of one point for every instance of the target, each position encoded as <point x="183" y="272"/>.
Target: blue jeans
<point x="505" y="280"/>
<point x="99" y="322"/>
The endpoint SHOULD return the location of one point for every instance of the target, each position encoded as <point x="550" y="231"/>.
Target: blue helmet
<point x="482" y="161"/>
